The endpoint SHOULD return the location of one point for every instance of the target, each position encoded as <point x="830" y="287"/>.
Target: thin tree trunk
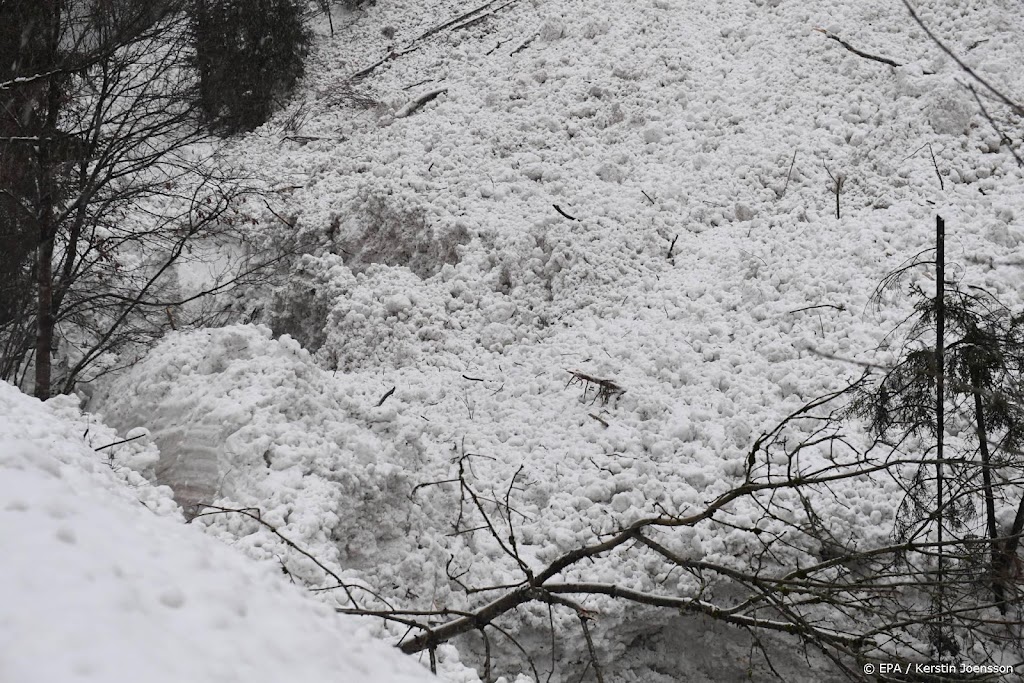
<point x="1010" y="548"/>
<point x="44" y="318"/>
<point x="998" y="590"/>
<point x="45" y="215"/>
<point x="940" y="378"/>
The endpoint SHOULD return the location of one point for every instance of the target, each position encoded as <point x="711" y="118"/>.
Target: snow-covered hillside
<point x="102" y="582"/>
<point x="512" y="201"/>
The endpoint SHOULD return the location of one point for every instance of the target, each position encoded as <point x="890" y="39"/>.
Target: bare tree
<point x="108" y="175"/>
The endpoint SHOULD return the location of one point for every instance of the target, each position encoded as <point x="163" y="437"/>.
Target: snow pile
<point x="244" y="420"/>
<point x="95" y="587"/>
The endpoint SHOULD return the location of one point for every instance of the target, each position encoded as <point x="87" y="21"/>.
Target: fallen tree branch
<point x="465" y="19"/>
<point x="417" y="102"/>
<point x="699" y="606"/>
<point x="859" y="53"/>
<point x="255" y="515"/>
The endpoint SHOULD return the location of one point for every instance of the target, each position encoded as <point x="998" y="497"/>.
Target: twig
<point x="309" y="138"/>
<point x="837" y="184"/>
<point x="257" y="517"/>
<point x="672" y="247"/>
<point x="290" y="224"/>
<point x="385" y="397"/>
<point x="859" y="53"/>
<point x="788" y="175"/>
<point x="590" y="647"/>
<point x="935" y="165"/>
<point x="1002" y="136"/>
<point x="839" y="307"/>
<point x="524" y="44"/>
<point x="432" y="483"/>
<point x="648" y="196"/>
<point x="559" y="210"/>
<point x="118" y="443"/>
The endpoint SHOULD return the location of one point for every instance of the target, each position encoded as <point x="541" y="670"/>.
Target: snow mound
<point x="244" y="420"/>
<point x="96" y="588"/>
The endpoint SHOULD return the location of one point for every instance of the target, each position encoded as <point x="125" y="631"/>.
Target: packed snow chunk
<point x="394" y="227"/>
<point x="950" y="109"/>
<point x="552" y="29"/>
<point x="96" y="587"/>
<point x="255" y="423"/>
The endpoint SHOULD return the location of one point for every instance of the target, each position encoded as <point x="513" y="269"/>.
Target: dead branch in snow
<point x="417" y="102"/>
<point x="606" y="388"/>
<point x="525" y="44"/>
<point x="859" y="53"/>
<point x="255" y="515"/>
<point x="838" y="307"/>
<point x="385" y="396"/>
<point x="789" y="175"/>
<point x="935" y="165"/>
<point x="838" y="180"/>
<point x="563" y="213"/>
<point x="1004" y="139"/>
<point x="463" y="20"/>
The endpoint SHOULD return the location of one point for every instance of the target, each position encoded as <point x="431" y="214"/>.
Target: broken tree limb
<point x="363" y="73"/>
<point x="463" y="20"/>
<point x="417" y="102"/>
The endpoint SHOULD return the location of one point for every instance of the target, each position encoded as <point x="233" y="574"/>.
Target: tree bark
<point x="44" y="319"/>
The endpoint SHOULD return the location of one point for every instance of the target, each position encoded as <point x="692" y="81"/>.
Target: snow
<point x="101" y="581"/>
<point x="435" y="324"/>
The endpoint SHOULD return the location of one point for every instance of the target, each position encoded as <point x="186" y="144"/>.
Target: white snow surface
<point x="703" y="270"/>
<point x="101" y="581"/>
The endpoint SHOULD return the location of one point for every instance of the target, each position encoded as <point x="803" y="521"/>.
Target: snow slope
<point x="101" y="581"/>
<point x="694" y="258"/>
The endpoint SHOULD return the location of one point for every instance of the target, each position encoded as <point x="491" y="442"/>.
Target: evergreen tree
<point x="249" y="54"/>
<point x="964" y="361"/>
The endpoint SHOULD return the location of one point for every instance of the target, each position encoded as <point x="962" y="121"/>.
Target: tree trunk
<point x="44" y="318"/>
<point x="998" y="590"/>
<point x="46" y="174"/>
<point x="940" y="377"/>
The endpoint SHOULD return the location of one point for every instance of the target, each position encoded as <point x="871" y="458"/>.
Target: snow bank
<point x="244" y="420"/>
<point x="95" y="587"/>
